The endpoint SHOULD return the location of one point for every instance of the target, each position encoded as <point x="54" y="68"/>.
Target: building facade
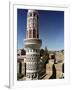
<point x="32" y="45"/>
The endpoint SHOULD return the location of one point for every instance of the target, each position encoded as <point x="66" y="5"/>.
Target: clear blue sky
<point x="51" y="28"/>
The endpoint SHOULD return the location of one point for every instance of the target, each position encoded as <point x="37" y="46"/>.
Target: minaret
<point x="32" y="45"/>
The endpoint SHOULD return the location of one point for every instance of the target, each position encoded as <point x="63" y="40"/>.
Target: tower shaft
<point x="32" y="45"/>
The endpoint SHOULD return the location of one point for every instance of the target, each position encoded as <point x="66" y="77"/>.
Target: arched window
<point x="34" y="33"/>
<point x="36" y="50"/>
<point x="30" y="33"/>
<point x="30" y="14"/>
<point x="34" y="14"/>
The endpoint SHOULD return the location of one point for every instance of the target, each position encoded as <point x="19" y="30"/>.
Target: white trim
<point x="31" y="71"/>
<point x="32" y="62"/>
<point x="13" y="45"/>
<point x="33" y="53"/>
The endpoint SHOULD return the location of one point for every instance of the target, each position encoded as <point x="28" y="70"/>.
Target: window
<point x="37" y="17"/>
<point x="37" y="35"/>
<point x="30" y="50"/>
<point x="30" y="14"/>
<point x="36" y="50"/>
<point x="34" y="14"/>
<point x="30" y="33"/>
<point x="33" y="50"/>
<point x="34" y="33"/>
<point x="36" y="55"/>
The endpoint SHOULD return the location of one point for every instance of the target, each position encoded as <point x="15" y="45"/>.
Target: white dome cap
<point x="32" y="10"/>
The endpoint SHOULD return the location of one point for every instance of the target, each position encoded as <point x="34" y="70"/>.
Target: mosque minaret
<point x="32" y="45"/>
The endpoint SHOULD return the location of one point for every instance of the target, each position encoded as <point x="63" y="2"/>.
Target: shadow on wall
<point x="53" y="72"/>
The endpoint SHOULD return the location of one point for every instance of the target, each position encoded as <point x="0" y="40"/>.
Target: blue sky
<point x="51" y="28"/>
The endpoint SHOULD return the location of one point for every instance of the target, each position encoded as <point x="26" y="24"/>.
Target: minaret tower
<point x="32" y="45"/>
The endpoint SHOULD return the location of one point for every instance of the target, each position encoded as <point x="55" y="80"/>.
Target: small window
<point x="36" y="55"/>
<point x="30" y="14"/>
<point x="37" y="17"/>
<point x="34" y="14"/>
<point x="33" y="50"/>
<point x="34" y="33"/>
<point x="36" y="50"/>
<point x="30" y="33"/>
<point x="37" y="35"/>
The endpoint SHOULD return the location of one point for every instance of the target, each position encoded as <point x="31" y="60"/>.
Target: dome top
<point x="32" y="10"/>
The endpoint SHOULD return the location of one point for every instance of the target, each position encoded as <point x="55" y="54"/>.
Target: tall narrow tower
<point x="32" y="45"/>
